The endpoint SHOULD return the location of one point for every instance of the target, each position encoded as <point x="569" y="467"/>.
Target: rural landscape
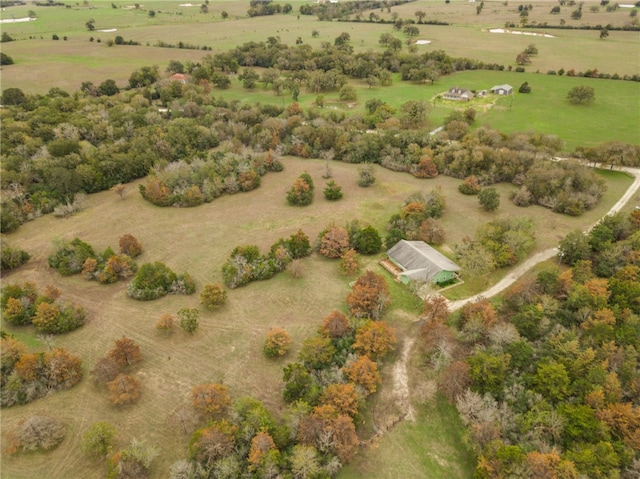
<point x="343" y="239"/>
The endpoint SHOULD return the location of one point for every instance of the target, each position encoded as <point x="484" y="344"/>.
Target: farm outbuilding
<point x="502" y="90"/>
<point x="419" y="261"/>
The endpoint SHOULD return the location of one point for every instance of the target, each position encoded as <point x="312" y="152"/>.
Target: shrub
<point x="11" y="257"/>
<point x="152" y="281"/>
<point x="367" y="241"/>
<point x="99" y="440"/>
<point x="489" y="199"/>
<point x="69" y="257"/>
<point x="366" y="176"/>
<point x="213" y="296"/>
<point x="130" y="246"/>
<point x="470" y="186"/>
<point x="277" y="343"/>
<point x="188" y="318"/>
<point x="334" y="242"/>
<point x="166" y="323"/>
<point x="301" y="192"/>
<point x="349" y="264"/>
<point x="36" y="433"/>
<point x="333" y="192"/>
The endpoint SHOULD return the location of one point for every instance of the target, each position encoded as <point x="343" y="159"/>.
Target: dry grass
<point x="228" y="346"/>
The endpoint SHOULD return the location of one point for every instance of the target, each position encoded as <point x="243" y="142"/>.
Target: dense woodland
<point x="545" y="379"/>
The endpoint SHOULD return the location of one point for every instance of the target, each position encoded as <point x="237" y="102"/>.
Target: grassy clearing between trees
<point x="227" y="348"/>
<point x="429" y="448"/>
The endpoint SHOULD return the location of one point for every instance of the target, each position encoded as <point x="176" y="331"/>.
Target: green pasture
<point x="432" y="447"/>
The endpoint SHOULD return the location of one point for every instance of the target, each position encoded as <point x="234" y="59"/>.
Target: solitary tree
<point x="125" y="352"/>
<point x="277" y="344"/>
<point x="99" y="440"/>
<point x="213" y="296"/>
<point x="581" y="94"/>
<point x="489" y="199"/>
<point x="188" y="318"/>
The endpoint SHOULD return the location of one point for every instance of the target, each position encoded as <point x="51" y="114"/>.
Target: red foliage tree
<point x="334" y="242"/>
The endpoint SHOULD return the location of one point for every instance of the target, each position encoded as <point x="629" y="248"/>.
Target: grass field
<point x="227" y="347"/>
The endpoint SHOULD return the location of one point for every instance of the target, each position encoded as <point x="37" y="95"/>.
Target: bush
<point x="333" y="192"/>
<point x="11" y="257"/>
<point x="36" y="433"/>
<point x="301" y="192"/>
<point x="154" y="280"/>
<point x="130" y="246"/>
<point x="367" y="241"/>
<point x="69" y="258"/>
<point x="470" y="186"/>
<point x="213" y="296"/>
<point x="277" y="343"/>
<point x="366" y="176"/>
<point x="188" y="318"/>
<point x="489" y="199"/>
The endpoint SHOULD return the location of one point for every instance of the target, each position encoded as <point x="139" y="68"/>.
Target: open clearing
<point x="227" y="347"/>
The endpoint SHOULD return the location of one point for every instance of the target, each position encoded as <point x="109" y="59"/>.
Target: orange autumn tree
<point x="375" y="339"/>
<point x="335" y="325"/>
<point x="369" y="296"/>
<point x="261" y="444"/>
<point x="211" y="400"/>
<point x="125" y="352"/>
<point x="364" y="372"/>
<point x="343" y="397"/>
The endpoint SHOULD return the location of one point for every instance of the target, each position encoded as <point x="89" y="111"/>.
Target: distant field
<point x="468" y="36"/>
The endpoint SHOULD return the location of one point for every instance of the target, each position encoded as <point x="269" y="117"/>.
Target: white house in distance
<point x="502" y="90"/>
<point x="416" y="260"/>
<point x="458" y="94"/>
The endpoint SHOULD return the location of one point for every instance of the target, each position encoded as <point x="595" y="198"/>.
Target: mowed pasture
<point x="228" y="346"/>
<point x="41" y="62"/>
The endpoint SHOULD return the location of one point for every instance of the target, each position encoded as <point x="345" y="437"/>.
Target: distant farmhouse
<point x="458" y="94"/>
<point x="179" y="77"/>
<point x="502" y="90"/>
<point x="416" y="260"/>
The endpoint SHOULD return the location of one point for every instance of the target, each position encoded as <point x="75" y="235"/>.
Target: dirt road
<point x="400" y="373"/>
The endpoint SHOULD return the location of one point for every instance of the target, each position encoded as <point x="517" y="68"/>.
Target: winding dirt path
<point x="400" y="369"/>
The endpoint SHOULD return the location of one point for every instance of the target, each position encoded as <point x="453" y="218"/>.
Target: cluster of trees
<point x="24" y="304"/>
<point x="77" y="256"/>
<point x="247" y="263"/>
<point x="28" y="376"/>
<point x="194" y="182"/>
<point x="331" y="11"/>
<point x="154" y="280"/>
<point x="114" y="371"/>
<point x="547" y="382"/>
<point x="564" y="187"/>
<point x="497" y="244"/>
<point x="267" y="7"/>
<point x="339" y="242"/>
<point x="417" y="219"/>
<point x="608" y="246"/>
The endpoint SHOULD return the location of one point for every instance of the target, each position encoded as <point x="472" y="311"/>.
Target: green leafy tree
<point x="332" y="192"/>
<point x="489" y="199"/>
<point x="213" y="296"/>
<point x="367" y="241"/>
<point x="574" y="247"/>
<point x="581" y="95"/>
<point x="98" y="441"/>
<point x="188" y="319"/>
